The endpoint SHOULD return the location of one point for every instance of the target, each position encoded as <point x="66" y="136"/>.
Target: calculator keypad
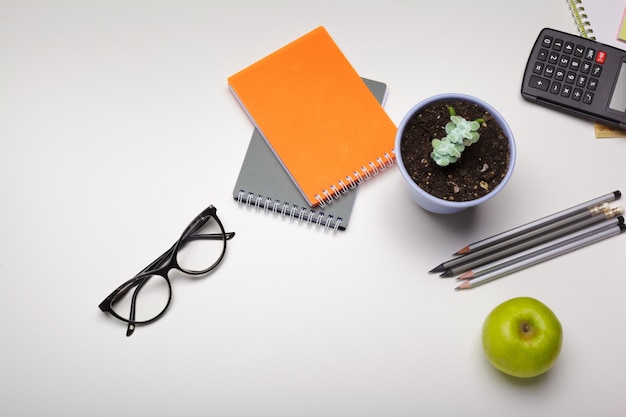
<point x="566" y="69"/>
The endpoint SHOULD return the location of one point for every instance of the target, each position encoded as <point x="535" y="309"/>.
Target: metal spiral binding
<point x="302" y="214"/>
<point x="578" y="12"/>
<point x="349" y="183"/>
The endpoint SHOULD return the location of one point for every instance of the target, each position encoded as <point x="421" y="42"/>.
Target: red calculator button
<point x="601" y="57"/>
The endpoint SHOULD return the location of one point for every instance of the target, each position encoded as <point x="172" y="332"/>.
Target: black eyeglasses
<point x="194" y="254"/>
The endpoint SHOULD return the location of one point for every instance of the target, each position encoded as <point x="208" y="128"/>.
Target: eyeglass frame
<point x="163" y="265"/>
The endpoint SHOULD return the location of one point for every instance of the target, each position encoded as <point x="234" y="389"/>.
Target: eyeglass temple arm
<point x="211" y="236"/>
<point x="130" y="329"/>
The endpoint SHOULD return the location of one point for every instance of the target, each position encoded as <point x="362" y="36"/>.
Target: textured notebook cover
<point x="317" y="115"/>
<point x="264" y="183"/>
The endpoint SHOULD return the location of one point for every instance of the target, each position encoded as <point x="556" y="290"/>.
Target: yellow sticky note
<point x="622" y="28"/>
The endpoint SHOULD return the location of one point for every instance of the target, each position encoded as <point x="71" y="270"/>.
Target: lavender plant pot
<point x="437" y="205"/>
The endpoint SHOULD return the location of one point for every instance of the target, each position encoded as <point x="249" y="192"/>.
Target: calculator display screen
<point x="618" y="100"/>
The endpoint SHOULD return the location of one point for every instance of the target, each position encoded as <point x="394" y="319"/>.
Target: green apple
<point x="522" y="337"/>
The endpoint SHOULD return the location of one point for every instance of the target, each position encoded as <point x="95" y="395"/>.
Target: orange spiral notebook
<point x="318" y="116"/>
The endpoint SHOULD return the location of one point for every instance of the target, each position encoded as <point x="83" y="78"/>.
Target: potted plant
<point x="454" y="151"/>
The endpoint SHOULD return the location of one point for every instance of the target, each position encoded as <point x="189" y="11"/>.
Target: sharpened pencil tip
<point x="465" y="285"/>
<point x="467" y="275"/>
<point x="463" y="251"/>
<point x="447" y="274"/>
<point x="438" y="268"/>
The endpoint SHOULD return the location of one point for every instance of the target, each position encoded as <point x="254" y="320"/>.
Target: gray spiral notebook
<point x="264" y="184"/>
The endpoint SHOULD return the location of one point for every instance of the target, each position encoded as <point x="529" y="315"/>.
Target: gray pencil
<point x="541" y="257"/>
<point x="505" y="249"/>
<point x="540" y="223"/>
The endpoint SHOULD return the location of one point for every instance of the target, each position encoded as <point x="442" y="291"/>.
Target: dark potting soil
<point x="481" y="167"/>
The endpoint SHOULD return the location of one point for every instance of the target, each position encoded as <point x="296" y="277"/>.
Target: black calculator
<point x="578" y="76"/>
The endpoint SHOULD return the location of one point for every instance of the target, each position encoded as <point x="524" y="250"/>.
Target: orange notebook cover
<point x="318" y="116"/>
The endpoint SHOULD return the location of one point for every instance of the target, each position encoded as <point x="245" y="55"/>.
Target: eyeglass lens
<point x="201" y="251"/>
<point x="152" y="294"/>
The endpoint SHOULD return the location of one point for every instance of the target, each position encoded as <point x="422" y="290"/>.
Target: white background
<point x="117" y="127"/>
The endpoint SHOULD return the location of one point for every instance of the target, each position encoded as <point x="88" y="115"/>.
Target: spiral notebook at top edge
<point x="580" y="19"/>
<point x="599" y="20"/>
<point x="317" y="115"/>
<point x="263" y="183"/>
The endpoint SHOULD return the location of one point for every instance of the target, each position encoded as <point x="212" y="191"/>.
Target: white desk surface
<point x="117" y="128"/>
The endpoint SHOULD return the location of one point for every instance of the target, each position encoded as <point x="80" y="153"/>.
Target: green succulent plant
<point x="460" y="133"/>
